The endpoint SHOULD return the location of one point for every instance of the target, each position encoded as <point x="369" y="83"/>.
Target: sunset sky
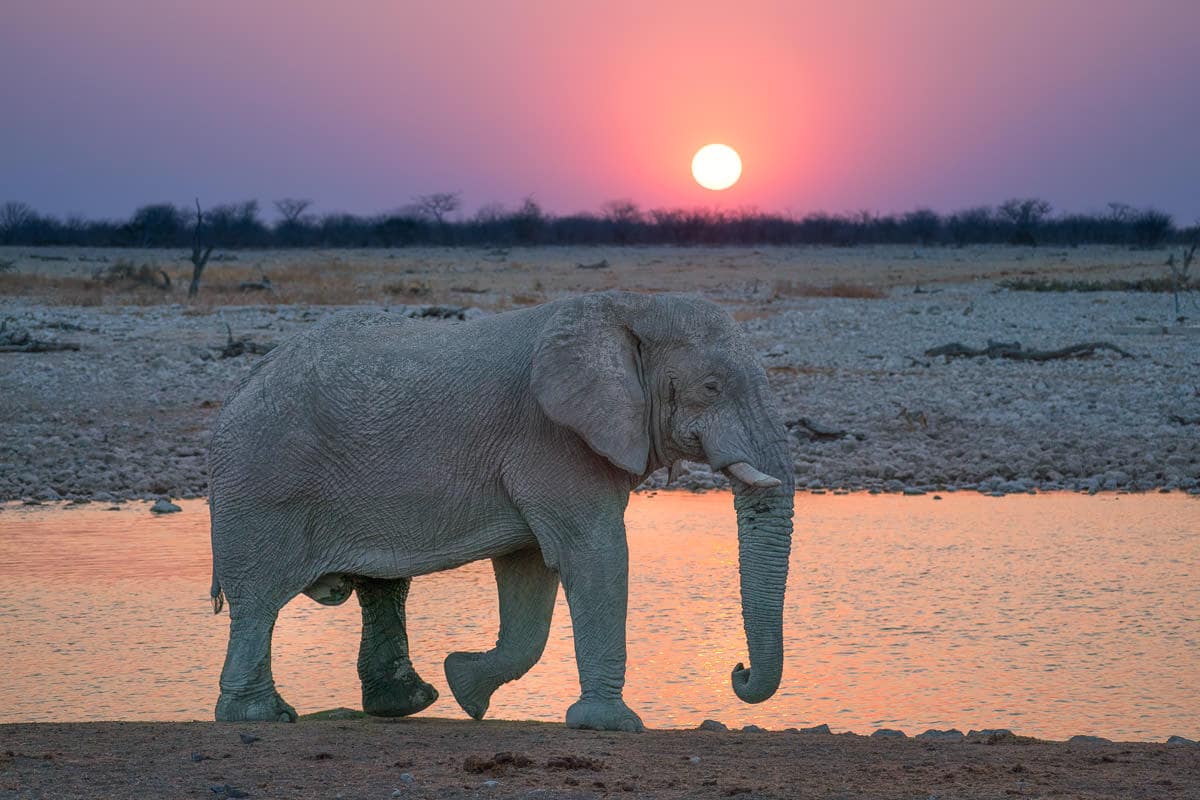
<point x="836" y="106"/>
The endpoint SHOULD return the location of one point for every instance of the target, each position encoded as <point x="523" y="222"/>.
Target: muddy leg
<point x="390" y="685"/>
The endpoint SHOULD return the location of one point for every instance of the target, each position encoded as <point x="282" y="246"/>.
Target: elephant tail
<point x="218" y="597"/>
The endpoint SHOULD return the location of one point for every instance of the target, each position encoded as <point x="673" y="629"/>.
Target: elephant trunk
<point x="764" y="515"/>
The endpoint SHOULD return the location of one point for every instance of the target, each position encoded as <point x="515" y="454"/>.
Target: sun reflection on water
<point x="1051" y="615"/>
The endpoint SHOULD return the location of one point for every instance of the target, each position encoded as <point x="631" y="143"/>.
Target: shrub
<point x="1019" y="221"/>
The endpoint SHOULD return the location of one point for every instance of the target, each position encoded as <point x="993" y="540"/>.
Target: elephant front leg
<point x="596" y="582"/>
<point x="390" y="685"/>
<point x="527" y="589"/>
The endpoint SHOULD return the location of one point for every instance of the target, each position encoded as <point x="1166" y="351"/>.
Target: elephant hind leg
<point x="390" y="685"/>
<point x="247" y="686"/>
<point x="527" y="590"/>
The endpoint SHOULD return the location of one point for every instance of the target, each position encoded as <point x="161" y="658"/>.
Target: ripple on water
<point x="1050" y="614"/>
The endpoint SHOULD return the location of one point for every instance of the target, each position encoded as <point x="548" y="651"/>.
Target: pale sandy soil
<point x="128" y="414"/>
<point x="353" y="759"/>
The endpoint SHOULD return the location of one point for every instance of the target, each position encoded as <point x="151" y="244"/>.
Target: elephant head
<point x="651" y="380"/>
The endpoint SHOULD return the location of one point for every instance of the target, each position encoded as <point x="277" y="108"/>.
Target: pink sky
<point x="362" y="104"/>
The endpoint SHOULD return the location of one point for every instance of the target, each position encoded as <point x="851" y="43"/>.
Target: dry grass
<point x="493" y="279"/>
<point x="323" y="283"/>
<point x="74" y="290"/>
<point x="411" y="288"/>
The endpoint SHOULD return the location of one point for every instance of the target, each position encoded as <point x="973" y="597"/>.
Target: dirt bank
<point x="425" y="758"/>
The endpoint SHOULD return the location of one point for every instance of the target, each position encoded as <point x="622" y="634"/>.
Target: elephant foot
<point x="397" y="695"/>
<point x="256" y="708"/>
<point x="604" y="715"/>
<point x="471" y="682"/>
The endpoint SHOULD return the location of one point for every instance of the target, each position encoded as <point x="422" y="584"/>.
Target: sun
<point x="716" y="166"/>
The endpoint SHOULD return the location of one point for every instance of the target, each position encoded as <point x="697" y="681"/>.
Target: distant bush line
<point x="426" y="222"/>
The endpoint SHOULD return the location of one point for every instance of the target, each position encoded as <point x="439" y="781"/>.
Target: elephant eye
<point x="712" y="387"/>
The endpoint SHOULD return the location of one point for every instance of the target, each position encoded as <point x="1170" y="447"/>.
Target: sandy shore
<point x="128" y="414"/>
<point x="426" y="758"/>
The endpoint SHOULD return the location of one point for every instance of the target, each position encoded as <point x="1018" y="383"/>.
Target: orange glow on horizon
<point x="840" y="107"/>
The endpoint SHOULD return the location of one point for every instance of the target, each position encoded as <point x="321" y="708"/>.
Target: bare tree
<point x="235" y="224"/>
<point x="1120" y="212"/>
<point x="527" y="221"/>
<point x="1027" y="211"/>
<point x="622" y="211"/>
<point x="13" y="217"/>
<point x="1151" y="227"/>
<point x="290" y="208"/>
<point x="438" y="205"/>
<point x="1024" y="215"/>
<point x="1181" y="274"/>
<point x="490" y="213"/>
<point x="923" y="223"/>
<point x="159" y="224"/>
<point x="200" y="253"/>
<point x="624" y="216"/>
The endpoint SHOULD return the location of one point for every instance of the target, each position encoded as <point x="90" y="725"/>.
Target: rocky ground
<point x="428" y="758"/>
<point x="127" y="415"/>
<point x="1100" y="423"/>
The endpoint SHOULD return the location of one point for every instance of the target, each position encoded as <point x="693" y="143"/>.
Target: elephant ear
<point x="586" y="377"/>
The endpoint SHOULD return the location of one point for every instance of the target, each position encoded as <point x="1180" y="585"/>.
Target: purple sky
<point x="839" y="106"/>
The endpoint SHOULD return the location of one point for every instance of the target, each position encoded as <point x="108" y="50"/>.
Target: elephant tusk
<point x="749" y="475"/>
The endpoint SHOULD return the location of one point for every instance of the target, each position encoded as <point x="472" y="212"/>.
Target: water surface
<point x="1051" y="615"/>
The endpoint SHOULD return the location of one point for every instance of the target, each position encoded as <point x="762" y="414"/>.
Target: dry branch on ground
<point x="263" y="284"/>
<point x="14" y="339"/>
<point x="1016" y="352"/>
<point x="243" y="345"/>
<point x="819" y="432"/>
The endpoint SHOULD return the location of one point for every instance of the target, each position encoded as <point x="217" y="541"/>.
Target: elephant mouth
<point x="691" y="444"/>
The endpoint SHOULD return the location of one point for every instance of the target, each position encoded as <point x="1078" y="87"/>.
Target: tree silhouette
<point x="438" y="205"/>
<point x="13" y="217"/>
<point x="200" y="252"/>
<point x="290" y="208"/>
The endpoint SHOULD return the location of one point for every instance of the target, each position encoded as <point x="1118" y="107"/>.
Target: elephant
<point x="371" y="448"/>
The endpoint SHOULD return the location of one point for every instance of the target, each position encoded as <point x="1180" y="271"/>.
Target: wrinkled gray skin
<point x="371" y="449"/>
